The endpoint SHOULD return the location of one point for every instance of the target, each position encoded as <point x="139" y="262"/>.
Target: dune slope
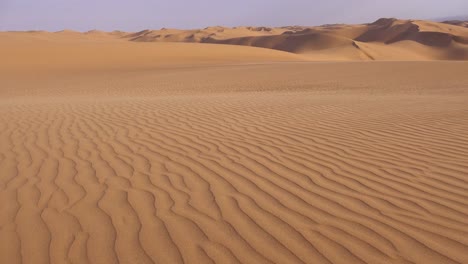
<point x="65" y="51"/>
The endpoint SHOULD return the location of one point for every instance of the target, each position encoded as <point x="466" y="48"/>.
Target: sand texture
<point x="115" y="151"/>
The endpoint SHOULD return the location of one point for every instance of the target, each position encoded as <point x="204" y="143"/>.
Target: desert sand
<point x="121" y="151"/>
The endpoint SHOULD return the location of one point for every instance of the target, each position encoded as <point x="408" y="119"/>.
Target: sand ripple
<point x="235" y="178"/>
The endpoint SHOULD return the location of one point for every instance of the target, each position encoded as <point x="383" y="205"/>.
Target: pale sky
<point x="134" y="15"/>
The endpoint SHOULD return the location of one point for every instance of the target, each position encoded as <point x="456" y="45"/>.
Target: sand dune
<point x="439" y="41"/>
<point x="457" y="23"/>
<point x="114" y="151"/>
<point x="62" y="51"/>
<point x="393" y="39"/>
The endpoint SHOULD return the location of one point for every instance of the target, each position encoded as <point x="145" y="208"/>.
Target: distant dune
<point x="384" y="39"/>
<point x="97" y="50"/>
<point x="457" y="23"/>
<point x="374" y="41"/>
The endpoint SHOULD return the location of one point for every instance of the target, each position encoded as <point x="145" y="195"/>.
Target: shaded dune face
<point x="387" y="32"/>
<point x="457" y="23"/>
<point x="295" y="43"/>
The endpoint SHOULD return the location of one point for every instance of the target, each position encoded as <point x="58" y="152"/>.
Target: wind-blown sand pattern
<point x="228" y="158"/>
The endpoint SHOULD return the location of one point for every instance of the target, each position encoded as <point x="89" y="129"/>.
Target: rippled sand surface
<point x="246" y="162"/>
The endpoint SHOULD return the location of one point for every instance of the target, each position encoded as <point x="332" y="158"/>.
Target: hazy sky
<point x="132" y="15"/>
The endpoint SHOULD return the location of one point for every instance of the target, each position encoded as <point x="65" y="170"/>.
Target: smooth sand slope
<point x="43" y="51"/>
<point x="115" y="151"/>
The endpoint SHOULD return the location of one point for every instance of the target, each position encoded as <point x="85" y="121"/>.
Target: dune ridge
<point x="457" y="23"/>
<point x="384" y="39"/>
